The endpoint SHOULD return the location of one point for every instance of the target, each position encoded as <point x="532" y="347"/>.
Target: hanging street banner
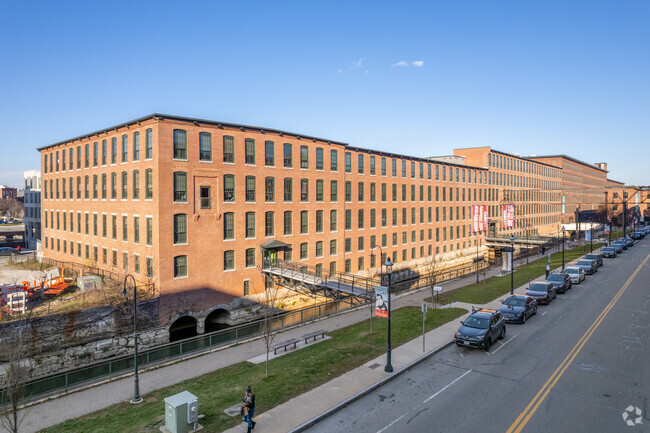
<point x="508" y="215"/>
<point x="381" y="301"/>
<point x="479" y="218"/>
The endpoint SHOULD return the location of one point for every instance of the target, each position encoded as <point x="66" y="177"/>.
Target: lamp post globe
<point x="389" y="270"/>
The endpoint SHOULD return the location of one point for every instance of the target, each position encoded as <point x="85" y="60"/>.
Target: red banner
<point x="508" y="215"/>
<point x="479" y="218"/>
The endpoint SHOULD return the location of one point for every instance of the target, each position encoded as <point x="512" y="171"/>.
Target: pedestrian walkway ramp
<point x="312" y="280"/>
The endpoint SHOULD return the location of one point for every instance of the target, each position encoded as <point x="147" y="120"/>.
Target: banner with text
<point x="381" y="301"/>
<point x="479" y="218"/>
<point x="508" y="215"/>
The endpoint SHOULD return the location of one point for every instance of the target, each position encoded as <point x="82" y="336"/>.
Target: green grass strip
<point x="290" y="375"/>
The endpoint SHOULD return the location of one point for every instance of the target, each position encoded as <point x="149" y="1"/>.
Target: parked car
<point x="518" y="308"/>
<point x="560" y="280"/>
<point x="629" y="241"/>
<point x="7" y="251"/>
<point x="609" y="252"/>
<point x="481" y="329"/>
<point x="620" y="242"/>
<point x="637" y="235"/>
<point x="577" y="274"/>
<point x="618" y="247"/>
<point x="595" y="256"/>
<point x="589" y="266"/>
<point x="542" y="291"/>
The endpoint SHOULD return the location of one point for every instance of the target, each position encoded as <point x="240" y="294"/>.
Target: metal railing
<point x="77" y="377"/>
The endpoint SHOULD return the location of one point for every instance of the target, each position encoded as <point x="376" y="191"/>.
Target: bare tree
<point x="17" y="369"/>
<point x="432" y="267"/>
<point x="271" y="302"/>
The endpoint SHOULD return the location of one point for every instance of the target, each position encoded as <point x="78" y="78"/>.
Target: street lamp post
<point x="563" y="234"/>
<point x="610" y="232"/>
<point x="512" y="263"/>
<point x="136" y="386"/>
<point x="389" y="270"/>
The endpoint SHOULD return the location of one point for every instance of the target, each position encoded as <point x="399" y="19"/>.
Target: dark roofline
<point x="524" y="158"/>
<point x="191" y="120"/>
<point x="616" y="181"/>
<point x="586" y="164"/>
<point x="415" y="158"/>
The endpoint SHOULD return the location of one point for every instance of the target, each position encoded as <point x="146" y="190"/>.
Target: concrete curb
<point x="369" y="389"/>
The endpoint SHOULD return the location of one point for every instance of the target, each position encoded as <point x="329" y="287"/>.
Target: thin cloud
<point x="400" y="63"/>
<point x="417" y="63"/>
<point x="357" y="64"/>
<point x="340" y="71"/>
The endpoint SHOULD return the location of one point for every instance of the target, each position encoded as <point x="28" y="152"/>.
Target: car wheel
<point x="487" y="344"/>
<point x="523" y="319"/>
<point x="535" y="310"/>
<point x="503" y="331"/>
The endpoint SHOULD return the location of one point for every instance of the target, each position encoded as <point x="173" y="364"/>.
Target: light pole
<point x="563" y="232"/>
<point x="389" y="270"/>
<point x="512" y="263"/>
<point x="610" y="232"/>
<point x="381" y="257"/>
<point x="136" y="386"/>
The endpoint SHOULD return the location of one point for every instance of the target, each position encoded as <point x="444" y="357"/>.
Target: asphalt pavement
<point x="574" y="367"/>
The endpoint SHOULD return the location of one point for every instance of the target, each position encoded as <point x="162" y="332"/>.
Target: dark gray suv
<point x="482" y="328"/>
<point x="560" y="280"/>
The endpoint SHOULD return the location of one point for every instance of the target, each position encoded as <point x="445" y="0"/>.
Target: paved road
<point x="589" y="368"/>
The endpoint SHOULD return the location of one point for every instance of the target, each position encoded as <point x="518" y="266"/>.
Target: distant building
<point x="32" y="202"/>
<point x="7" y="192"/>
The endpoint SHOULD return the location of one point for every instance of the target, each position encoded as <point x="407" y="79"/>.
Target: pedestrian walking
<point x="248" y="408"/>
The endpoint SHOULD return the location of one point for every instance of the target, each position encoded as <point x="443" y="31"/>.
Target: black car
<point x="7" y="251"/>
<point x="589" y="266"/>
<point x="560" y="280"/>
<point x="518" y="308"/>
<point x="481" y="329"/>
<point x="620" y="242"/>
<point x="609" y="252"/>
<point x="595" y="256"/>
<point x="542" y="291"/>
<point x="618" y="247"/>
<point x="637" y="235"/>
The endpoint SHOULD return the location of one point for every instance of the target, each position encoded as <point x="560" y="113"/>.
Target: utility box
<point x="181" y="413"/>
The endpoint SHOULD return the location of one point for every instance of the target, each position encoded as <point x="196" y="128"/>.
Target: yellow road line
<point x="524" y="416"/>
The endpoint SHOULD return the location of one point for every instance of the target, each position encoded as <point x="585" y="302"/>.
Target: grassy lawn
<point x="493" y="287"/>
<point x="290" y="376"/>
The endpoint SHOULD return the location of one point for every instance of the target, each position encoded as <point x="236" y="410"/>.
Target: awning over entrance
<point x="273" y="244"/>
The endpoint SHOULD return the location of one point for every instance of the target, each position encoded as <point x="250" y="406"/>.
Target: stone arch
<point x="183" y="327"/>
<point x="218" y="318"/>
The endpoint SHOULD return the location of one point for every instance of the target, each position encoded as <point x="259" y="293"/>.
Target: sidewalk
<point x="286" y="416"/>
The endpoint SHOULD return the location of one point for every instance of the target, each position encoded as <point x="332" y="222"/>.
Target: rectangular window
<point x="249" y="150"/>
<point x="288" y="223"/>
<point x="149" y="231"/>
<point x="360" y="163"/>
<point x="136" y="185"/>
<point x="269" y="153"/>
<point x="250" y="188"/>
<point x="124" y="185"/>
<point x="288" y="155"/>
<point x="229" y="188"/>
<point x="333" y="247"/>
<point x="136" y="229"/>
<point x="250" y="224"/>
<point x="94" y="187"/>
<point x="228" y="149"/>
<point x="149" y="267"/>
<point x="372" y="165"/>
<point x="319" y="249"/>
<point x="149" y="183"/>
<point x="136" y="146"/>
<point x="250" y="257"/>
<point x="348" y="191"/>
<point x="95" y="154"/>
<point x="180" y="144"/>
<point x="229" y="225"/>
<point x="205" y="146"/>
<point x="288" y="189"/>
<point x="334" y="186"/>
<point x="125" y="231"/>
<point x="304" y="157"/>
<point x="180" y="266"/>
<point x="304" y="250"/>
<point x="206" y="201"/>
<point x="180" y="186"/>
<point x="125" y="148"/>
<point x="319" y="221"/>
<point x="319" y="190"/>
<point x="319" y="159"/>
<point x="333" y="220"/>
<point x="180" y="229"/>
<point x="334" y="163"/>
<point x="348" y="219"/>
<point x="269" y="218"/>
<point x="104" y="154"/>
<point x="304" y="222"/>
<point x="304" y="190"/>
<point x="348" y="162"/>
<point x="104" y="225"/>
<point x="149" y="145"/>
<point x="113" y="150"/>
<point x="269" y="189"/>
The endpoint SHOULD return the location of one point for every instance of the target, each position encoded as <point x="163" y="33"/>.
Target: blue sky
<point x="417" y="78"/>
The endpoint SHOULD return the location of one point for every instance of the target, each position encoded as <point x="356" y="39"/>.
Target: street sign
<point x="437" y="288"/>
<point x="424" y="308"/>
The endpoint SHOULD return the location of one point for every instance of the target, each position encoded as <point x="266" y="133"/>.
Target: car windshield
<point x="608" y="249"/>
<point x="515" y="302"/>
<point x="477" y="322"/>
<point x="571" y="271"/>
<point x="556" y="277"/>
<point x="584" y="263"/>
<point x="591" y="257"/>
<point x="538" y="287"/>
